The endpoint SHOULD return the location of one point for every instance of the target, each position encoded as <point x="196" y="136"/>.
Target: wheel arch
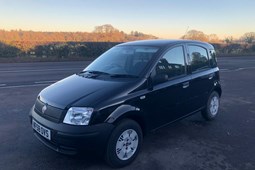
<point x="218" y="90"/>
<point x="128" y="112"/>
<point x="216" y="87"/>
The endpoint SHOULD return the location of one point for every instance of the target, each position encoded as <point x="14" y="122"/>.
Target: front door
<point x="170" y="91"/>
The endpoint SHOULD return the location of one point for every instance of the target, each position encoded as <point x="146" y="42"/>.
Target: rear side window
<point x="212" y="59"/>
<point x="198" y="57"/>
<point x="172" y="63"/>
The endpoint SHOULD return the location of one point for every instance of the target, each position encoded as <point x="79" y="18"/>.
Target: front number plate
<point x="41" y="130"/>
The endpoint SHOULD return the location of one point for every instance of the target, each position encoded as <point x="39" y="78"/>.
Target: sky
<point x="162" y="18"/>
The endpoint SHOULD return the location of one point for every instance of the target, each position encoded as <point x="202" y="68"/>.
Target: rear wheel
<point x="212" y="107"/>
<point x="124" y="143"/>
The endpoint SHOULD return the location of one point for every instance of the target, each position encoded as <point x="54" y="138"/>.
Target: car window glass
<point x="127" y="60"/>
<point x="172" y="63"/>
<point x="198" y="57"/>
<point x="212" y="58"/>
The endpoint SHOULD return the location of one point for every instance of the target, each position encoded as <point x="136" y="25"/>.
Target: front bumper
<point x="71" y="139"/>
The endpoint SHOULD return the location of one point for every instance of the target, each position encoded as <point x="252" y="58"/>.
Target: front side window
<point x="198" y="57"/>
<point x="125" y="60"/>
<point x="172" y="64"/>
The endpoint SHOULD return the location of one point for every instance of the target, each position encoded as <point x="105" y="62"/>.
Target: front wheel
<point x="212" y="107"/>
<point x="124" y="143"/>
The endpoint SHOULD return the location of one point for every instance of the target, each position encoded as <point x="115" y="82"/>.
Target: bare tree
<point x="248" y="37"/>
<point x="213" y="38"/>
<point x="229" y="40"/>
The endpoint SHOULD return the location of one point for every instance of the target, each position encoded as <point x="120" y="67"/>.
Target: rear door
<point x="202" y="76"/>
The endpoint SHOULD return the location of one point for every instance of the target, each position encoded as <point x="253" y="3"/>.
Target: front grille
<point x="51" y="113"/>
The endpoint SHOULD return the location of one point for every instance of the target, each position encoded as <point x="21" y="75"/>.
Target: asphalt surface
<point x="226" y="143"/>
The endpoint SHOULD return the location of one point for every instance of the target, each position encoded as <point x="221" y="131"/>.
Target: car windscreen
<point x="123" y="60"/>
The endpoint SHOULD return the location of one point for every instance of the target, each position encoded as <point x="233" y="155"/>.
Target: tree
<point x="213" y="38"/>
<point x="229" y="40"/>
<point x="107" y="28"/>
<point x="248" y="37"/>
<point x="195" y="35"/>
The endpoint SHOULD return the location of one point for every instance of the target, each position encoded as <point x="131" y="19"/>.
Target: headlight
<point x="78" y="116"/>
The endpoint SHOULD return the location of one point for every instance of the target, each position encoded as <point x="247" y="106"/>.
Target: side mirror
<point x="160" y="78"/>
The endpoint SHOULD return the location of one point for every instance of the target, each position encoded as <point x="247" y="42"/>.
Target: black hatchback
<point x="131" y="89"/>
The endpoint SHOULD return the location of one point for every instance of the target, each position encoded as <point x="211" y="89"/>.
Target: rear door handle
<point x="185" y="85"/>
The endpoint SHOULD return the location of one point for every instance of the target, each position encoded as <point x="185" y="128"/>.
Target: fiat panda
<point x="128" y="91"/>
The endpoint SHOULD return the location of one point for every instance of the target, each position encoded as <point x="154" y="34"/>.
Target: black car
<point x="131" y="89"/>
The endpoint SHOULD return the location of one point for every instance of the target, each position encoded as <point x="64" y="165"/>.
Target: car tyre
<point x="212" y="107"/>
<point x="124" y="143"/>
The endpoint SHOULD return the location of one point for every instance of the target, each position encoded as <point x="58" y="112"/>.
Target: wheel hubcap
<point x="127" y="144"/>
<point x="214" y="105"/>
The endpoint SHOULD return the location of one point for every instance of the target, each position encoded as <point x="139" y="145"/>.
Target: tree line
<point x="59" y="50"/>
<point x="20" y="43"/>
<point x="246" y="38"/>
<point x="27" y="40"/>
<point x="244" y="45"/>
<point x="91" y="50"/>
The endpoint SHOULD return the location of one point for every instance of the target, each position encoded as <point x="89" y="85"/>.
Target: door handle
<point x="211" y="76"/>
<point x="185" y="85"/>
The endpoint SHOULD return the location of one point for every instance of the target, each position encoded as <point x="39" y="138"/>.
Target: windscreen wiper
<point x="94" y="72"/>
<point x="123" y="76"/>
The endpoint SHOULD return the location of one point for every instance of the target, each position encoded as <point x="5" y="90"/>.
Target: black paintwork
<point x="113" y="99"/>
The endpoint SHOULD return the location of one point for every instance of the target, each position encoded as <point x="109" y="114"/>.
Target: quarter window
<point x="212" y="58"/>
<point x="198" y="57"/>
<point x="172" y="64"/>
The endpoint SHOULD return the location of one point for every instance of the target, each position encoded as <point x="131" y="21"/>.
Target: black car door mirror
<point x="160" y="78"/>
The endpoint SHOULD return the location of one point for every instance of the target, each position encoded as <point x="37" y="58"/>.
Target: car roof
<point x="164" y="43"/>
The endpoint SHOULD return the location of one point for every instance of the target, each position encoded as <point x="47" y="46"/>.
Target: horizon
<point x="162" y="19"/>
